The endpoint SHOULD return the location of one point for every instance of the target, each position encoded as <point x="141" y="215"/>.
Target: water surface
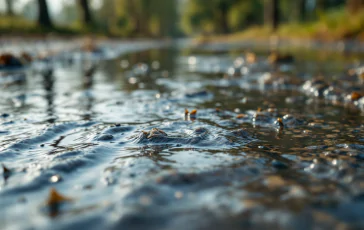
<point x="118" y="142"/>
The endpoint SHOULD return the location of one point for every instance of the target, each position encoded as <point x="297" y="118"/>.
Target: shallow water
<point x="231" y="166"/>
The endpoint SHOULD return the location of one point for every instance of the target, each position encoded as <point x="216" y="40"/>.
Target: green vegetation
<point x="333" y="25"/>
<point x="137" y="18"/>
<point x="141" y="18"/>
<point x="219" y="16"/>
<point x="208" y="20"/>
<point x="15" y="25"/>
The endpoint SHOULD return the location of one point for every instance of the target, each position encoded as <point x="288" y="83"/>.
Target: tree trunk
<point x="354" y="6"/>
<point x="224" y="8"/>
<point x="302" y="10"/>
<point x="86" y="13"/>
<point x="275" y="14"/>
<point x="321" y="5"/>
<point x="9" y="7"/>
<point x="271" y="13"/>
<point x="43" y="14"/>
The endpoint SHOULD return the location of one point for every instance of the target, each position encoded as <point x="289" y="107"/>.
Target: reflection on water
<point x="112" y="133"/>
<point x="48" y="84"/>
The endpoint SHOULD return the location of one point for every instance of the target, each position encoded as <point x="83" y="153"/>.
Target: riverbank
<point x="332" y="26"/>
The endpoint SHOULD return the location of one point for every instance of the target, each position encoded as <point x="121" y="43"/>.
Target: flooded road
<point x="155" y="136"/>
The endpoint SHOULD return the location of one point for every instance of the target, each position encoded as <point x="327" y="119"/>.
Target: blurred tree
<point x="323" y="5"/>
<point x="245" y="14"/>
<point x="196" y="17"/>
<point x="223" y="6"/>
<point x="69" y="13"/>
<point x="271" y="13"/>
<point x="163" y="18"/>
<point x="29" y="11"/>
<point x="9" y="7"/>
<point x="275" y="14"/>
<point x="292" y="11"/>
<point x="86" y="13"/>
<point x="139" y="17"/>
<point x="43" y="14"/>
<point x="105" y="16"/>
<point x="142" y="16"/>
<point x="301" y="6"/>
<point x="287" y="9"/>
<point x="134" y="16"/>
<point x="219" y="16"/>
<point x="123" y="16"/>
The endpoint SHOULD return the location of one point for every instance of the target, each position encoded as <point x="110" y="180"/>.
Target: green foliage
<point x="333" y="25"/>
<point x="245" y="14"/>
<point x="205" y="17"/>
<point x="138" y="17"/>
<point x="196" y="16"/>
<point x="172" y="18"/>
<point x="15" y="22"/>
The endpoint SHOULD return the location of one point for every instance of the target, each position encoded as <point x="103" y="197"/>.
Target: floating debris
<point x="5" y="170"/>
<point x="240" y="116"/>
<point x="190" y="115"/>
<point x="251" y="57"/>
<point x="156" y="132"/>
<point x="355" y="96"/>
<point x="55" y="198"/>
<point x="193" y="113"/>
<point x="280" y="123"/>
<point x="186" y="112"/>
<point x="8" y="60"/>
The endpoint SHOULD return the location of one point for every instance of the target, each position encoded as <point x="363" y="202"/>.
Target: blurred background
<point x="313" y="19"/>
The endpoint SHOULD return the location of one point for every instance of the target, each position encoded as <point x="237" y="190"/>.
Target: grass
<point x="14" y="25"/>
<point x="9" y="24"/>
<point x="334" y="25"/>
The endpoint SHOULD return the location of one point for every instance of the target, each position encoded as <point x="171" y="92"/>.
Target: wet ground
<point x="270" y="145"/>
